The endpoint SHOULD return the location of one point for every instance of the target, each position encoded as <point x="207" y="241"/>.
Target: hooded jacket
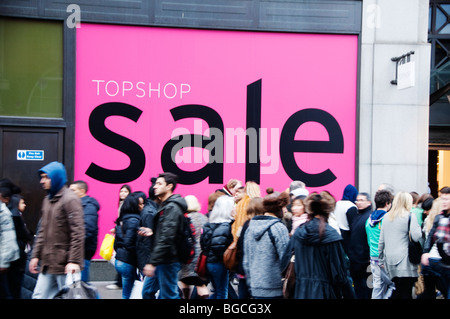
<point x="265" y="241"/>
<point x="373" y="229"/>
<point x="57" y="173"/>
<point x="168" y="229"/>
<point x="320" y="263"/>
<point x="60" y="239"/>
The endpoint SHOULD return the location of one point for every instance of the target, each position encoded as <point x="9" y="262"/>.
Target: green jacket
<point x="373" y="229"/>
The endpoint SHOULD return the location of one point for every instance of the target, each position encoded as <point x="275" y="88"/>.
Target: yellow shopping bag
<point x="107" y="247"/>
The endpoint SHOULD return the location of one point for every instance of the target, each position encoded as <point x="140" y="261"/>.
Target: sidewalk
<point x="106" y="293"/>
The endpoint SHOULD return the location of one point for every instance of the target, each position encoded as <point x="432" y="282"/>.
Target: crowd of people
<point x="287" y="244"/>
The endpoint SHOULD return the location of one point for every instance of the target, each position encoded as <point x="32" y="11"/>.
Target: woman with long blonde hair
<point x="251" y="190"/>
<point x="393" y="245"/>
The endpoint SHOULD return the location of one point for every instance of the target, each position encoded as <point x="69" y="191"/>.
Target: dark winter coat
<point x="144" y="244"/>
<point x="90" y="209"/>
<point x="320" y="263"/>
<point x="215" y="240"/>
<point x="126" y="236"/>
<point x="167" y="230"/>
<point x="358" y="250"/>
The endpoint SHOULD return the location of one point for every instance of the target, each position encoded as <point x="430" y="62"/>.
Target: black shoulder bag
<point x="414" y="248"/>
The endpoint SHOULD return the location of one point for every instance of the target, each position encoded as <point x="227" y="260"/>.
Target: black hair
<point x="141" y="194"/>
<point x="170" y="178"/>
<point x="81" y="184"/>
<point x="382" y="198"/>
<point x="151" y="190"/>
<point x="8" y="188"/>
<point x="130" y="206"/>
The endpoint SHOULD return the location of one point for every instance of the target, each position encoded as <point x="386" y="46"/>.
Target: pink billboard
<point x="210" y="106"/>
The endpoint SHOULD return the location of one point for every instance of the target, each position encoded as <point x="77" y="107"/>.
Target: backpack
<point x="186" y="242"/>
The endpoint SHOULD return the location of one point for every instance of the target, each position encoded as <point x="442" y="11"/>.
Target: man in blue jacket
<point x="164" y="262"/>
<point x="90" y="209"/>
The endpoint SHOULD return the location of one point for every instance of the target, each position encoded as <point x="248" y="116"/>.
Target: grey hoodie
<point x="265" y="242"/>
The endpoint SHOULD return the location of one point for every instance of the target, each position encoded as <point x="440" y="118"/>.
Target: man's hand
<point x="424" y="259"/>
<point x="33" y="265"/>
<point x="145" y="232"/>
<point x="149" y="270"/>
<point x="72" y="268"/>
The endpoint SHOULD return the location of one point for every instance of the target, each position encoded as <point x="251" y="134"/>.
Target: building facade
<point x="319" y="79"/>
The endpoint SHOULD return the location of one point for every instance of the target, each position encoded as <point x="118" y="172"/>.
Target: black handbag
<point x="77" y="290"/>
<point x="289" y="281"/>
<point x="414" y="248"/>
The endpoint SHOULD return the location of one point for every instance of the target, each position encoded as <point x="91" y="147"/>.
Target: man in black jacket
<point x="358" y="248"/>
<point x="90" y="214"/>
<point x="164" y="263"/>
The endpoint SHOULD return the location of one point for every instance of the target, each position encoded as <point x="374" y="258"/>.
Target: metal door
<point x="24" y="152"/>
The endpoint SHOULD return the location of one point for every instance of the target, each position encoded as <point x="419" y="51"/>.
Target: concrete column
<point x="393" y="124"/>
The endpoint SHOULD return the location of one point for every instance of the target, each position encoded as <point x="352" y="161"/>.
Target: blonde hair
<point x="401" y="205"/>
<point x="434" y="211"/>
<point x="252" y="189"/>
<point x="193" y="204"/>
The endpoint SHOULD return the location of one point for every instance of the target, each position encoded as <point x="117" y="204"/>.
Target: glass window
<point x="31" y="68"/>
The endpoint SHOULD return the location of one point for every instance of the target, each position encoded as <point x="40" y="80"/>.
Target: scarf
<point x="376" y="217"/>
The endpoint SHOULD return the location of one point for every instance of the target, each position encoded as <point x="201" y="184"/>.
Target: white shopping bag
<point x="136" y="293"/>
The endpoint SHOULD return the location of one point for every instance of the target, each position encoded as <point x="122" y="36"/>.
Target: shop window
<point x="443" y="168"/>
<point x="31" y="68"/>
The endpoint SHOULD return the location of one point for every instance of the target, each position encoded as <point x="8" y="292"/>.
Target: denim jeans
<point x="85" y="271"/>
<point x="382" y="285"/>
<point x="219" y="276"/>
<point x="150" y="288"/>
<point x="128" y="273"/>
<point x="442" y="273"/>
<point x="48" y="285"/>
<point x="167" y="279"/>
<point x="432" y="279"/>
